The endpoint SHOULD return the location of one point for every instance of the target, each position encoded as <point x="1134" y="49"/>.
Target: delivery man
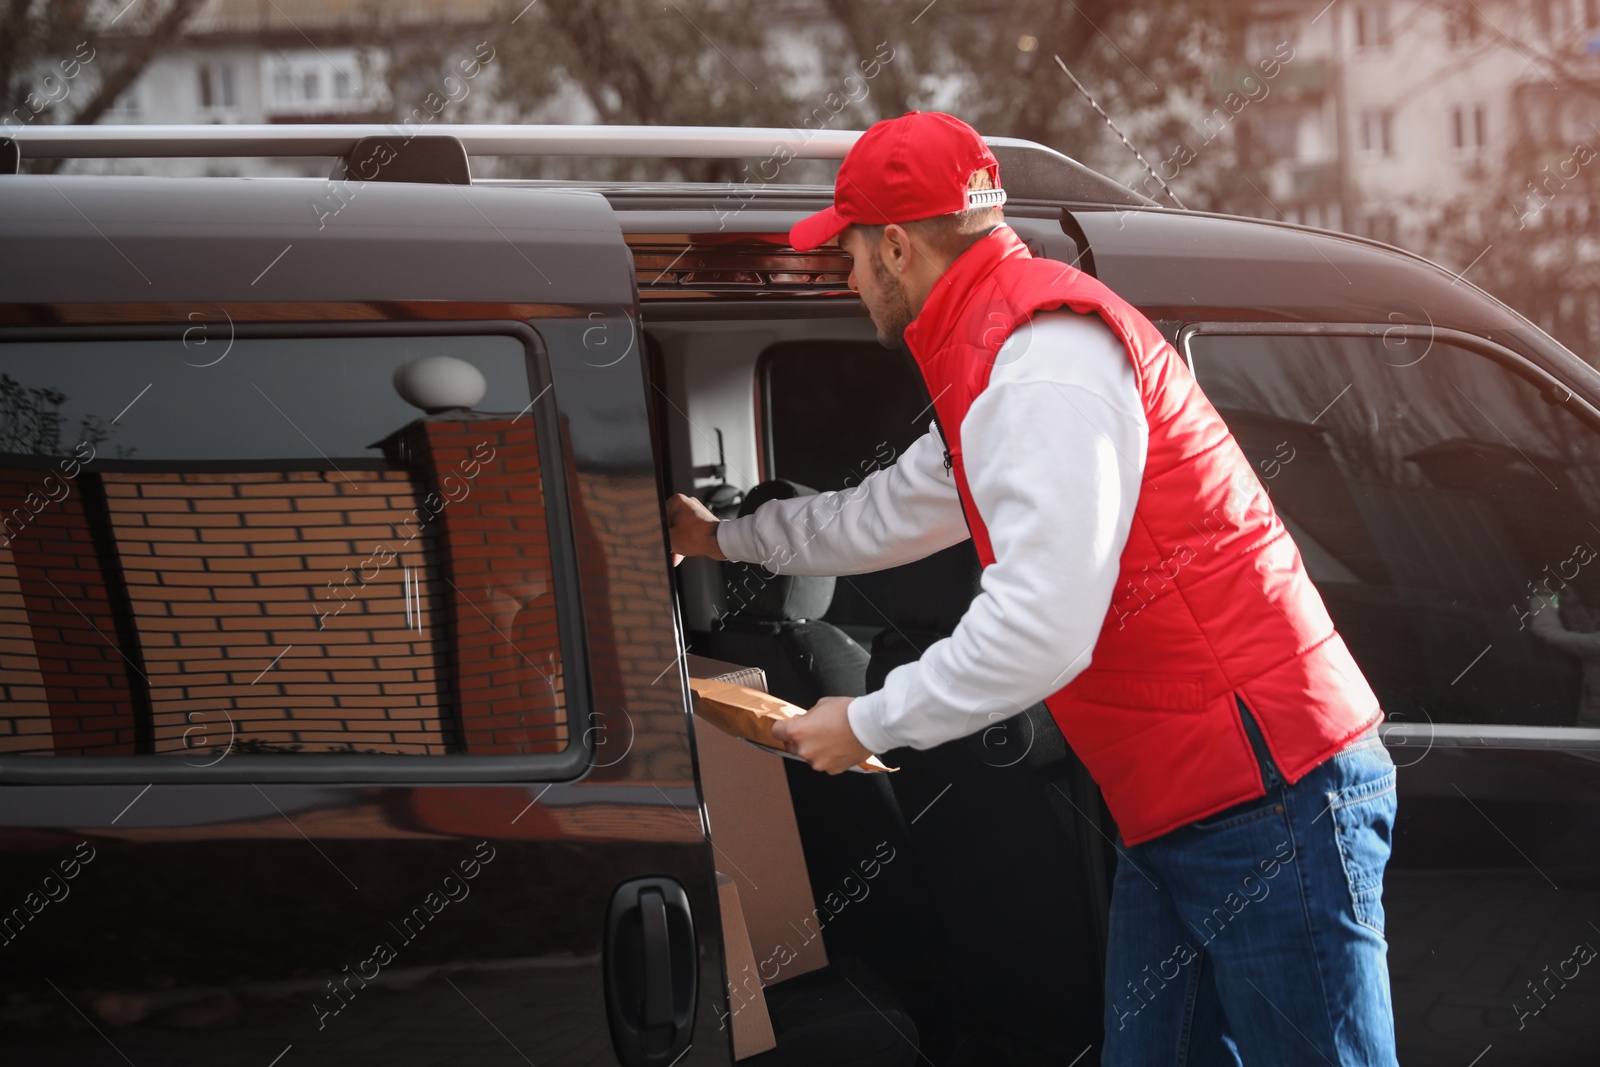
<point x="1138" y="581"/>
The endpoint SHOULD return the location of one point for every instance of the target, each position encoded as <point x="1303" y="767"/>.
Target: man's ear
<point x="896" y="248"/>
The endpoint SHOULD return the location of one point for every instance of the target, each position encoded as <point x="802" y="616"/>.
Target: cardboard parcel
<point x="750" y="714"/>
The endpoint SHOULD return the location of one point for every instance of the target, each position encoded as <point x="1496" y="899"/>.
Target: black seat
<point x="988" y="923"/>
<point x="1016" y="869"/>
<point x="774" y="621"/>
<point x="845" y="821"/>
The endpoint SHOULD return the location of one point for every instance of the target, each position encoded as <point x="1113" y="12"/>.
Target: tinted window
<point x="271" y="551"/>
<point x="835" y="412"/>
<point x="1447" y="511"/>
<point x="834" y="409"/>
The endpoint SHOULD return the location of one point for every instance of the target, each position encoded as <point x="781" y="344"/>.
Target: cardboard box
<point x="747" y="1001"/>
<point x="756" y="841"/>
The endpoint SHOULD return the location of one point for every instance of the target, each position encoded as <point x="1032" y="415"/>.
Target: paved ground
<point x="1462" y="949"/>
<point x="519" y="1015"/>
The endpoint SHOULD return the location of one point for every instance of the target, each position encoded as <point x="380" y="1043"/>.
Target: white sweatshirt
<point x="1055" y="452"/>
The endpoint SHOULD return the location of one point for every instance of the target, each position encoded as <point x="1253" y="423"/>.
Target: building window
<point x="322" y="81"/>
<point x="217" y="87"/>
<point x="1372" y="26"/>
<point x="1469" y="127"/>
<point x="1272" y="34"/>
<point x="1377" y="132"/>
<point x="1279" y="134"/>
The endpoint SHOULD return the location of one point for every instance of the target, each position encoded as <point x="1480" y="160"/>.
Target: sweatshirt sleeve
<point x="897" y="514"/>
<point x="1054" y="451"/>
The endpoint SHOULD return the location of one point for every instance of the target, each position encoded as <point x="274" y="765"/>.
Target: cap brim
<point x="816" y="230"/>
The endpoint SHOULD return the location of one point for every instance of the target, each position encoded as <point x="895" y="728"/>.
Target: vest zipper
<point x="1270" y="775"/>
<point x="949" y="464"/>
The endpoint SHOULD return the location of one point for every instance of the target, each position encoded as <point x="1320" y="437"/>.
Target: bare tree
<point x="45" y="48"/>
<point x="994" y="64"/>
<point x="639" y="62"/>
<point x="159" y="32"/>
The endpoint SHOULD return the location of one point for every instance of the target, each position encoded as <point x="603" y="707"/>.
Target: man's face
<point x="879" y="288"/>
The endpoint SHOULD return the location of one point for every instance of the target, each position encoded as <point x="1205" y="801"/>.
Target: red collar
<point x="946" y="305"/>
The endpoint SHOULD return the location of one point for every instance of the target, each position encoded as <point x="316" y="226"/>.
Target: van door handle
<point x="651" y="977"/>
<point x="657" y="1008"/>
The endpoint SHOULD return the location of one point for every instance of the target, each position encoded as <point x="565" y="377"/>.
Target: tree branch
<point x="134" y="61"/>
<point x="892" y="88"/>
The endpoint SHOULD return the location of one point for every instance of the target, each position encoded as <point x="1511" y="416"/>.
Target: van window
<point x="834" y="412"/>
<point x="837" y="410"/>
<point x="270" y="547"/>
<point x="1447" y="510"/>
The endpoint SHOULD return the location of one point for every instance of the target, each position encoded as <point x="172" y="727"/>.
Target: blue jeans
<point x="1255" y="936"/>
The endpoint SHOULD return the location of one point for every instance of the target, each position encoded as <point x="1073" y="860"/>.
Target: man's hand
<point x="693" y="529"/>
<point x="822" y="736"/>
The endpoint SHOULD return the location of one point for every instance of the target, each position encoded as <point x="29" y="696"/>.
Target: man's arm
<point x="1055" y="451"/>
<point x="1546" y="622"/>
<point x="897" y="514"/>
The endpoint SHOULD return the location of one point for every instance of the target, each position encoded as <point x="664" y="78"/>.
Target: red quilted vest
<point x="1212" y="600"/>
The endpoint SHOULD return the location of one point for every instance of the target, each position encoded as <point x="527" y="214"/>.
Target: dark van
<point x="345" y="671"/>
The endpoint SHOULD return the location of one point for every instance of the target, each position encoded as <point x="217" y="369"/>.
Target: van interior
<point x="982" y="940"/>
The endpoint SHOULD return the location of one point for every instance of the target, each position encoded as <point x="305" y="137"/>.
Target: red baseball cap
<point x="913" y="167"/>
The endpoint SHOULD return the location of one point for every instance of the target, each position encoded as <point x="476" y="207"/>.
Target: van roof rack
<point x="1030" y="170"/>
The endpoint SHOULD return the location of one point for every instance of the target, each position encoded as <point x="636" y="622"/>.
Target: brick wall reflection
<point x="226" y="571"/>
<point x="486" y="501"/>
<point x="389" y="611"/>
<point x="60" y="647"/>
<point x="638" y="698"/>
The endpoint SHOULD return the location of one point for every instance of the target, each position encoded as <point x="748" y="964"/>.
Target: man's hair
<point x="948" y="235"/>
